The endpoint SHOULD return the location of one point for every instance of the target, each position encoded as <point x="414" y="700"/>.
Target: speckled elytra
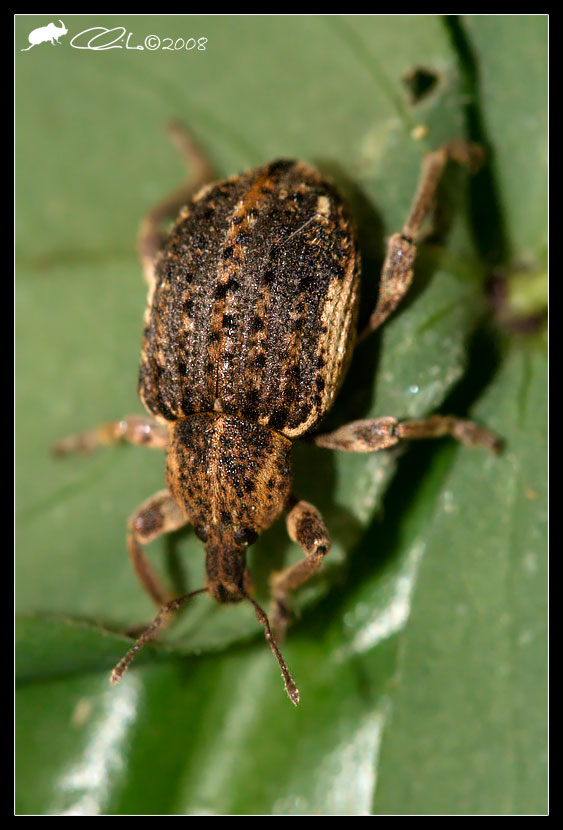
<point x="249" y="327"/>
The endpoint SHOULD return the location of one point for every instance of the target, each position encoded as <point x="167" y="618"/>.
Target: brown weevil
<point x="249" y="328"/>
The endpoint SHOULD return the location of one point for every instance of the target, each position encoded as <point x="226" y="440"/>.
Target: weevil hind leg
<point x="397" y="271"/>
<point x="157" y="515"/>
<point x="142" y="430"/>
<point x="370" y="435"/>
<point x="201" y="172"/>
<point x="306" y="527"/>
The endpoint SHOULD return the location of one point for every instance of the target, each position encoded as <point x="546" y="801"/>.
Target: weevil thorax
<point x="233" y="479"/>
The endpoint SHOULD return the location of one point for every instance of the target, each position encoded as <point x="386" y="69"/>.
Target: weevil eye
<point x="245" y="536"/>
<point x="202" y="533"/>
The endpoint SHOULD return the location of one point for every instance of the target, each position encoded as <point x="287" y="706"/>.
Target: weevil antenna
<point x="290" y="686"/>
<point x="151" y="632"/>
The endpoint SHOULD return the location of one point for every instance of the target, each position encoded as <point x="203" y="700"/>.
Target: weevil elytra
<point x="249" y="328"/>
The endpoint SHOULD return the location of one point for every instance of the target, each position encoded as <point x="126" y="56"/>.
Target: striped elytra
<point x="253" y="310"/>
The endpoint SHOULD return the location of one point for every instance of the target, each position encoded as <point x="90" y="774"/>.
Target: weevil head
<point x="233" y="479"/>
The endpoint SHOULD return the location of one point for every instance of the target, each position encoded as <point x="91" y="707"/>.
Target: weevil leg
<point x="157" y="515"/>
<point x="306" y="526"/>
<point x="201" y="172"/>
<point x="380" y="433"/>
<point x="397" y="271"/>
<point x="133" y="429"/>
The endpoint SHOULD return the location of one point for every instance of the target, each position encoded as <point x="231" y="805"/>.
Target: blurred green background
<point x="420" y="651"/>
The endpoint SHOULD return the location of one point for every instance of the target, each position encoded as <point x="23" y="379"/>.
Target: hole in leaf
<point x="419" y="81"/>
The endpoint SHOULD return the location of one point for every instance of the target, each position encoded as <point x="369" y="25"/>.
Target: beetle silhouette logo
<point x="50" y="33"/>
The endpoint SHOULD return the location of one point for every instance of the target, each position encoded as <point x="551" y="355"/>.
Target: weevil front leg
<point x="375" y="434"/>
<point x="397" y="271"/>
<point x="306" y="526"/>
<point x="201" y="172"/>
<point x="157" y="515"/>
<point x="133" y="429"/>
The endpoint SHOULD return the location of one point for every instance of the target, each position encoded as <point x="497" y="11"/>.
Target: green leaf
<point x="471" y="705"/>
<point x="420" y="650"/>
<point x="516" y="122"/>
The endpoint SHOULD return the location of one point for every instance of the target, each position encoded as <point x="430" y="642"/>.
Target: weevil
<point x="249" y="328"/>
